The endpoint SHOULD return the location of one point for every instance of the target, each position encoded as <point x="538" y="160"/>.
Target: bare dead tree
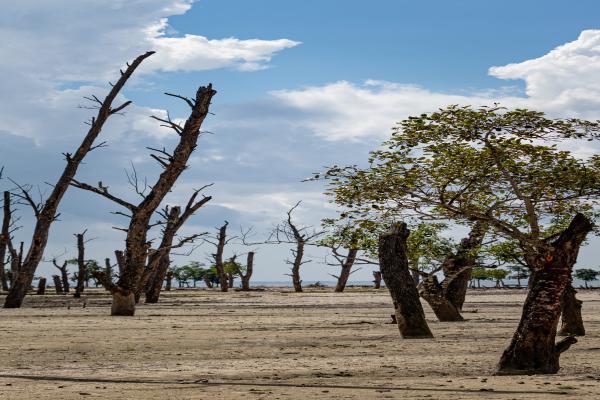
<point x="219" y="242"/>
<point x="245" y="276"/>
<point x="158" y="263"/>
<point x="289" y="232"/>
<point x="81" y="264"/>
<point x="137" y="245"/>
<point x="64" y="273"/>
<point x="46" y="212"/>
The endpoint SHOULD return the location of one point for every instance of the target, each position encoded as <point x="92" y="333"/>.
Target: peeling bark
<point x="394" y="269"/>
<point x="533" y="349"/>
<point x="572" y="322"/>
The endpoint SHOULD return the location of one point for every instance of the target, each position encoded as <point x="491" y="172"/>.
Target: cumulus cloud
<point x="564" y="83"/>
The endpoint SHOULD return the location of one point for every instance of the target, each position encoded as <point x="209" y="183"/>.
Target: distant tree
<point x="586" y="275"/>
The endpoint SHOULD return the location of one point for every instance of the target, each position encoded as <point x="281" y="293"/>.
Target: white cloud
<point x="49" y="48"/>
<point x="564" y="83"/>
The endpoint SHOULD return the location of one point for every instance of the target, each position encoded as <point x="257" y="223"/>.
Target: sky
<point x="301" y="85"/>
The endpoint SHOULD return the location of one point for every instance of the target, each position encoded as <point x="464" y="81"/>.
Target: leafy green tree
<point x="586" y="275"/>
<point x="503" y="168"/>
<point x="480" y="274"/>
<point x="91" y="267"/>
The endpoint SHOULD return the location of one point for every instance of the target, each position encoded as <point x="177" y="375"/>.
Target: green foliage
<point x="190" y="272"/>
<point x="488" y="164"/>
<point x="91" y="266"/>
<point x="586" y="274"/>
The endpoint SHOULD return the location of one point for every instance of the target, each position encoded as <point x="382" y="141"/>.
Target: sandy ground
<point x="275" y="345"/>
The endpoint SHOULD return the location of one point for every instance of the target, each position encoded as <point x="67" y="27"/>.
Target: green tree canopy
<point x="488" y="164"/>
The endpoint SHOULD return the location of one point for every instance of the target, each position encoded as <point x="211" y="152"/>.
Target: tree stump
<point x="41" y="289"/>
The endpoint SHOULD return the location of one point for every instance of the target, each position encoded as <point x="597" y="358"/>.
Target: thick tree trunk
<point x="155" y="287"/>
<point x="394" y="268"/>
<point x="3" y="279"/>
<point x="458" y="267"/>
<point x="249" y="269"/>
<point x="81" y="272"/>
<point x="377" y="279"/>
<point x="346" y="270"/>
<point x="123" y="304"/>
<point x="533" y="349"/>
<point x="572" y="322"/>
<point x="433" y="293"/>
<point x="57" y="284"/>
<point x="41" y="289"/>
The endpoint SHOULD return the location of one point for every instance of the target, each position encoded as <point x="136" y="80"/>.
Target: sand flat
<point x="276" y="345"/>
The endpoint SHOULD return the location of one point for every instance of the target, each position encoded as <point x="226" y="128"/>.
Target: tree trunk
<point x="533" y="349"/>
<point x="377" y="280"/>
<point x="299" y="253"/>
<point x="219" y="257"/>
<point x="41" y="289"/>
<point x="47" y="214"/>
<point x="346" y="270"/>
<point x="458" y="267"/>
<point x="155" y="286"/>
<point x="4" y="238"/>
<point x="207" y="282"/>
<point x="433" y="293"/>
<point x="249" y="269"/>
<point x="81" y="272"/>
<point x="123" y="304"/>
<point x="415" y="275"/>
<point x="230" y="279"/>
<point x="394" y="268"/>
<point x="572" y="322"/>
<point x="169" y="279"/>
<point x="57" y="284"/>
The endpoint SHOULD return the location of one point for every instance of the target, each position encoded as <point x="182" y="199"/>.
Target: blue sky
<point x="301" y="84"/>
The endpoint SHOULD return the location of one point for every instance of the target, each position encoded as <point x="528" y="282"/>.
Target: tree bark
<point x="377" y="279"/>
<point x="123" y="304"/>
<point x="207" y="282"/>
<point x="433" y="293"/>
<point x="346" y="270"/>
<point x="219" y="257"/>
<point x="136" y="243"/>
<point x="169" y="280"/>
<point x="64" y="273"/>
<point x="41" y="289"/>
<point x="572" y="322"/>
<point x="57" y="284"/>
<point x="47" y="214"/>
<point x="533" y="349"/>
<point x="458" y="267"/>
<point x="249" y="269"/>
<point x="4" y="238"/>
<point x="394" y="269"/>
<point x="299" y="253"/>
<point x="81" y="270"/>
